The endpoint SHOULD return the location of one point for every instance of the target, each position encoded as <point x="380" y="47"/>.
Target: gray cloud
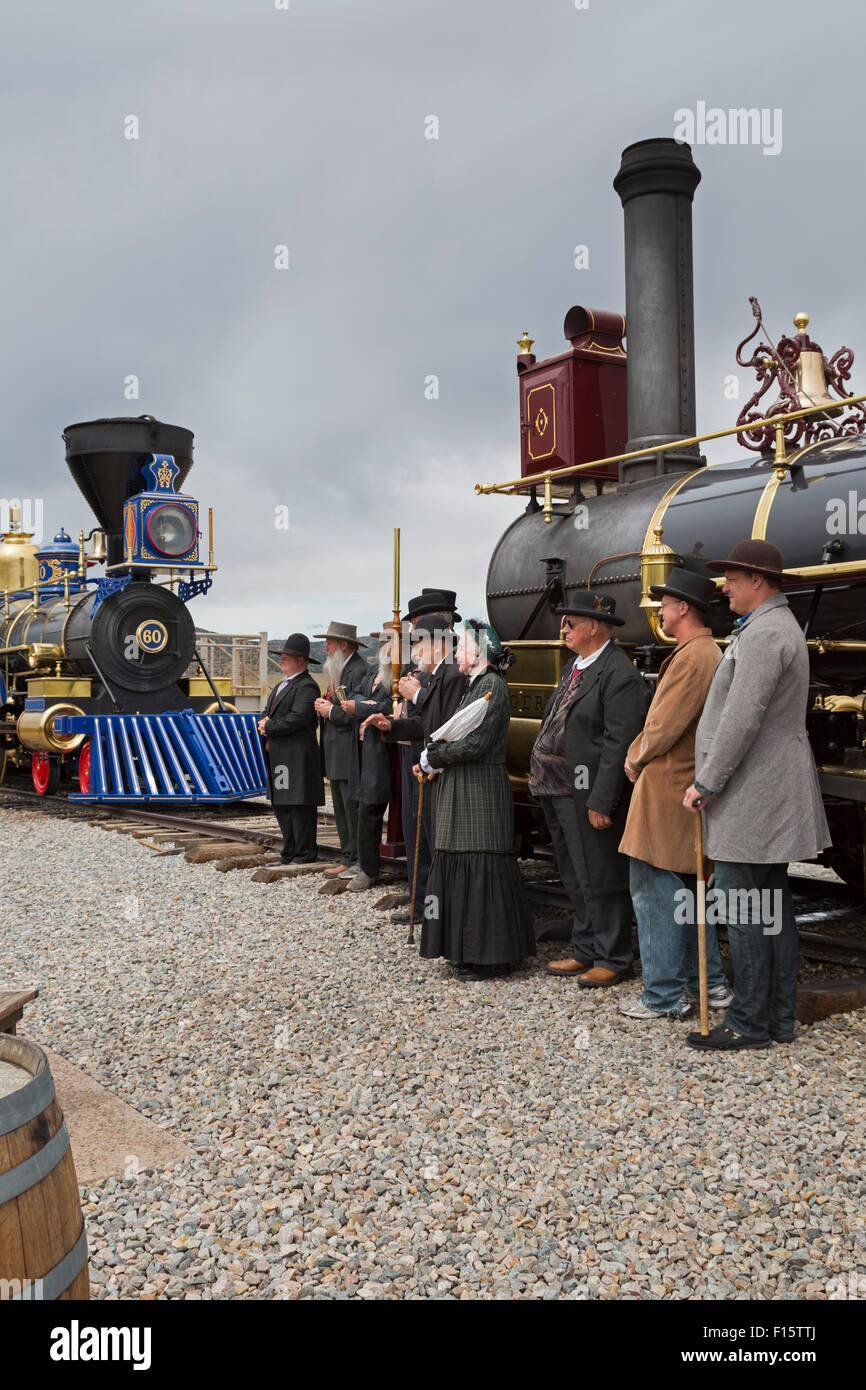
<point x="408" y="257"/>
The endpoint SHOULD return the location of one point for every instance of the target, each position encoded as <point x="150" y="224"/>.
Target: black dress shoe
<point x="782" y="1037"/>
<point x="724" y="1039"/>
<point x="401" y="918"/>
<point x="484" y="972"/>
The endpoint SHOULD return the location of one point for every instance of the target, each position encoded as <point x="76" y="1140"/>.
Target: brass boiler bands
<point x="51" y="623"/>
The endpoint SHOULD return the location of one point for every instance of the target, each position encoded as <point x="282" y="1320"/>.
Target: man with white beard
<point x="345" y="669"/>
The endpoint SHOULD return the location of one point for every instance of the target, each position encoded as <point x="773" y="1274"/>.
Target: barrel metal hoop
<point x="58" y="1279"/>
<point x="25" y="1104"/>
<point x="27" y="1174"/>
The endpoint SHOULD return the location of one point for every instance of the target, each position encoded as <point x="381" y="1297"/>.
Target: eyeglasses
<point x="575" y="622"/>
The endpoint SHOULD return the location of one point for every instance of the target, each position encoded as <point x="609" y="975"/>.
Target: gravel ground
<point x="364" y="1125"/>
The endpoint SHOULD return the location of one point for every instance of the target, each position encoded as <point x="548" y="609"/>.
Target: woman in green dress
<point x="475" y="911"/>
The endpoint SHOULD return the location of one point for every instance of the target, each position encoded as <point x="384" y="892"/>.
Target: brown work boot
<point x="336" y="871"/>
<point x="566" y="967"/>
<point x="599" y="978"/>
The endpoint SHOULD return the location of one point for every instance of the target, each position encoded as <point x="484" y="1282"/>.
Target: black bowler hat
<point x="689" y="587"/>
<point x="434" y="601"/>
<point x="296" y="645"/>
<point x="589" y="605"/>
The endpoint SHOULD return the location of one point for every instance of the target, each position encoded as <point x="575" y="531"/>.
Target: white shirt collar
<point x="581" y="662"/>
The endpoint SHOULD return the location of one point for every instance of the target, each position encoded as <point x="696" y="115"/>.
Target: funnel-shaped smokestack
<point x="105" y="458"/>
<point x="656" y="183"/>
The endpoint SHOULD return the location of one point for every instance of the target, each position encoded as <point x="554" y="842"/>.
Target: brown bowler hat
<point x="760" y="557"/>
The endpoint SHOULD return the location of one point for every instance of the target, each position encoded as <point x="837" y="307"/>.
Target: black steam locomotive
<point x="654" y="503"/>
<point x="93" y="677"/>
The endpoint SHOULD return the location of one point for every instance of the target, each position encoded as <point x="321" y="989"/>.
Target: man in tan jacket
<point x="659" y="834"/>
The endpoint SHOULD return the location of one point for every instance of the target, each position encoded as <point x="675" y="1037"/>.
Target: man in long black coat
<point x="444" y="691"/>
<point x="577" y="772"/>
<point x="288" y="726"/>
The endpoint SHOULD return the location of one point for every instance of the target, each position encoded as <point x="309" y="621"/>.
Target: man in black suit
<point x="345" y="669"/>
<point x="577" y="773"/>
<point x="435" y="645"/>
<point x="414" y="679"/>
<point x="288" y="727"/>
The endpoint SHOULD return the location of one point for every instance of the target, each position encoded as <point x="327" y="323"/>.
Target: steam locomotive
<point x="92" y="680"/>
<point x="623" y="427"/>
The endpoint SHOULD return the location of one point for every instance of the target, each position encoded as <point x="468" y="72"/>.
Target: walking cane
<point x="421" y="780"/>
<point x="702" y="927"/>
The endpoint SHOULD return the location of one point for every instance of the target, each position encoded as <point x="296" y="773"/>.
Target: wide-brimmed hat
<point x="388" y="627"/>
<point x="761" y="557"/>
<point x="342" y="632"/>
<point x="296" y="645"/>
<point x="689" y="587"/>
<point x="589" y="605"/>
<point x="434" y="601"/>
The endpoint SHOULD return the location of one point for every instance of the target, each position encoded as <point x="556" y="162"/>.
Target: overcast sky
<point x="408" y="257"/>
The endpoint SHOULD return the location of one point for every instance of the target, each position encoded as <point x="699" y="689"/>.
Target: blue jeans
<point x="668" y="936"/>
<point x="755" y="901"/>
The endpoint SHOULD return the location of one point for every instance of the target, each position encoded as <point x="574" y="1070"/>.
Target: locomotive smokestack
<point x="105" y="457"/>
<point x="656" y="183"/>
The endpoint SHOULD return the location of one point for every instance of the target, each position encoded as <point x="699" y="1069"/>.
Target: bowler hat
<point x="434" y="601"/>
<point x="761" y="557"/>
<point x="689" y="587"/>
<point x="590" y="605"/>
<point x="296" y="645"/>
<point x="342" y="632"/>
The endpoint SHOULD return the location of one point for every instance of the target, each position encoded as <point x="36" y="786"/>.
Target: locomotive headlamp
<point x="171" y="529"/>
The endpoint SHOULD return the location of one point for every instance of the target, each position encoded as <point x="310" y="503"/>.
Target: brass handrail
<point x="777" y="420"/>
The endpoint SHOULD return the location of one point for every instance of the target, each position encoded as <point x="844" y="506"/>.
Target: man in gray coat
<point x="757" y="786"/>
<point x="345" y="668"/>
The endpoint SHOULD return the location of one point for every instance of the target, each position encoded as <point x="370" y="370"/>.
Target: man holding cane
<point x="758" y="789"/>
<point x="660" y="833"/>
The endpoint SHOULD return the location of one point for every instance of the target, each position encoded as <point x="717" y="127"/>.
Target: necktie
<point x="278" y="692"/>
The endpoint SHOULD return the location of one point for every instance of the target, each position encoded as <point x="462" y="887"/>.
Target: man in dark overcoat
<point x="577" y="772"/>
<point x="288" y="727"/>
<point x="444" y="691"/>
<point x="440" y="604"/>
<point x="345" y="669"/>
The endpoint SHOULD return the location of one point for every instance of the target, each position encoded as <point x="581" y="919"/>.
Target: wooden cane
<point x="421" y="779"/>
<point x="702" y="927"/>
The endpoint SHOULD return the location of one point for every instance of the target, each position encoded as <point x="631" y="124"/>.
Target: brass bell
<point x="98" y="552"/>
<point x="809" y="382"/>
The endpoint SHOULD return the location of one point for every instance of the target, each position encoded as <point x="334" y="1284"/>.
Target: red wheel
<point x="84" y="767"/>
<point x="45" y="772"/>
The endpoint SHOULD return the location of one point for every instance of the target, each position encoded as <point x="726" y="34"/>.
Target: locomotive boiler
<point x="92" y="680"/>
<point x="617" y="491"/>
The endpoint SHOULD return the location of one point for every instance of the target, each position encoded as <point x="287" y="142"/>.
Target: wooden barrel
<point x="43" y="1245"/>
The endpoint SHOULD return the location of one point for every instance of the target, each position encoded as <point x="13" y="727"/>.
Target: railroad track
<point x="189" y="833"/>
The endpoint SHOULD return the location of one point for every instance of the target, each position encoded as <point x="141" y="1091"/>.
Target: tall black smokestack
<point x="656" y="183"/>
